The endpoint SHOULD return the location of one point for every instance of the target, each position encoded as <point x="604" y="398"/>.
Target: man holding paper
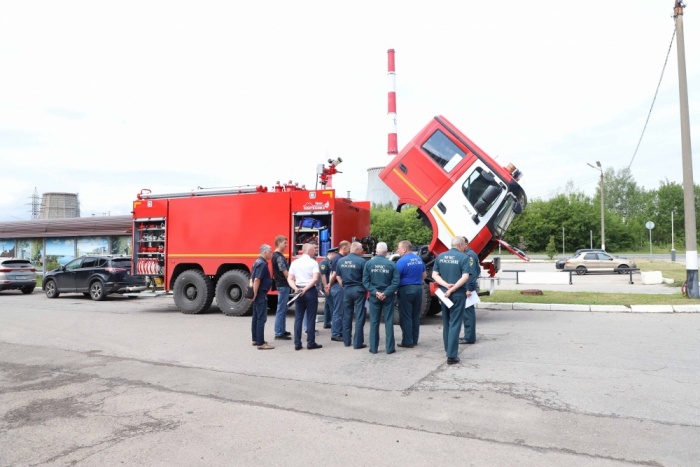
<point x="451" y="272"/>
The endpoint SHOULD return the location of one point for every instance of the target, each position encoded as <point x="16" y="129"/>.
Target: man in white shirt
<point x="303" y="277"/>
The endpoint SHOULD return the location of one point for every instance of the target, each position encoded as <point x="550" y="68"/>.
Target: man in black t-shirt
<point x="260" y="277"/>
<point x="280" y="270"/>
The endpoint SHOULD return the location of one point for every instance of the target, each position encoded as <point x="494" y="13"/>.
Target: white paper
<point x="473" y="299"/>
<point x="441" y="295"/>
<point x="367" y="303"/>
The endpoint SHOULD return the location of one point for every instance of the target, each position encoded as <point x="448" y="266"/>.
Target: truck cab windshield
<point x="505" y="215"/>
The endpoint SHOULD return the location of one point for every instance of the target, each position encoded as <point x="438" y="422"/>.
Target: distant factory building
<point x="59" y="206"/>
<point x="377" y="191"/>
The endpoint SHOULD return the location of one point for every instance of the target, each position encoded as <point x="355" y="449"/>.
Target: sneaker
<point x="452" y="361"/>
<point x="287" y="333"/>
<point x="314" y="346"/>
<point x="265" y="347"/>
<point x="283" y="338"/>
<point x="337" y="339"/>
<point x="464" y="341"/>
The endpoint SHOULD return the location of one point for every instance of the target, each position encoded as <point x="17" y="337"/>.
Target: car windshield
<point x="505" y="215"/>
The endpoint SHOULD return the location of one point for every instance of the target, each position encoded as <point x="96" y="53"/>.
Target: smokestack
<point x="393" y="141"/>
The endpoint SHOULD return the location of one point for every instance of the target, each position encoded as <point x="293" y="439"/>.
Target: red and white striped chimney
<point x="393" y="141"/>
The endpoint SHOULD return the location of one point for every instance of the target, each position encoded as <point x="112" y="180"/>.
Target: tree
<point x="551" y="247"/>
<point x="387" y="225"/>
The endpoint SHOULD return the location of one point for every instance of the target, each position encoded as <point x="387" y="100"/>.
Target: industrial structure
<point x="59" y="206"/>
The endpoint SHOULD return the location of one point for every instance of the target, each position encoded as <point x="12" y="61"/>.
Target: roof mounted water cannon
<point x="325" y="175"/>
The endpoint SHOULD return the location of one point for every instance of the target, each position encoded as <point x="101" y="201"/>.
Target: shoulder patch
<point x="471" y="261"/>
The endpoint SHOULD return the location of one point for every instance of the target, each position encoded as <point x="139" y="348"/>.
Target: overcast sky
<point x="105" y="98"/>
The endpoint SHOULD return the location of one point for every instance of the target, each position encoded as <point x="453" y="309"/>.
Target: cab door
<point x="455" y="211"/>
<point x="65" y="280"/>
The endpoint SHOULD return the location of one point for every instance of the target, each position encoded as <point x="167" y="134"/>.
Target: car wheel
<point x="622" y="266"/>
<point x="230" y="294"/>
<point x="97" y="291"/>
<point x="193" y="292"/>
<point x="27" y="290"/>
<point x="51" y="289"/>
<point x="581" y="270"/>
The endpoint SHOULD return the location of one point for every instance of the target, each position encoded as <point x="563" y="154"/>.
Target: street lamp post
<point x="602" y="205"/>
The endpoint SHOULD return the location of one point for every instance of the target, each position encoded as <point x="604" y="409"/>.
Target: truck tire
<point x="435" y="307"/>
<point x="230" y="293"/>
<point x="193" y="292"/>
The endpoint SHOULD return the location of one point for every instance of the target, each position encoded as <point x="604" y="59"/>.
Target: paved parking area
<point x="135" y="382"/>
<point x="593" y="281"/>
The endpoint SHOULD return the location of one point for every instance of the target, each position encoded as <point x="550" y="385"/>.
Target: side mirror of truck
<point x="487" y="198"/>
<point x="517" y="208"/>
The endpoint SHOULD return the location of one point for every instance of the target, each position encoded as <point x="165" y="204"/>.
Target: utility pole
<point x="563" y="242"/>
<point x="691" y="242"/>
<point x="602" y="204"/>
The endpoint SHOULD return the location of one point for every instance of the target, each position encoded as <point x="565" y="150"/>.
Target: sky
<point x="104" y="99"/>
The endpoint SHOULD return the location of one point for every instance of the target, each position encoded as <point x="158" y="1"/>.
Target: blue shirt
<point x="262" y="272"/>
<point x="451" y="265"/>
<point x="411" y="269"/>
<point x="350" y="269"/>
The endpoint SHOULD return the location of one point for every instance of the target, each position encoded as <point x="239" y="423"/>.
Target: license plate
<point x="21" y="278"/>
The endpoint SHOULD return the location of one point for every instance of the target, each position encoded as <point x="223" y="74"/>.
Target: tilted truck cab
<point x="458" y="189"/>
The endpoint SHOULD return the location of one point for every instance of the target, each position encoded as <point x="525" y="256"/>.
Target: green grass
<point x="39" y="281"/>
<point x="589" y="298"/>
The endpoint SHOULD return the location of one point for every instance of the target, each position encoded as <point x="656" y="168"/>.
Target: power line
<point x="653" y="100"/>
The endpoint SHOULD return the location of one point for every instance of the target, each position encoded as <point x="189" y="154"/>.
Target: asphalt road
<point x="135" y="382"/>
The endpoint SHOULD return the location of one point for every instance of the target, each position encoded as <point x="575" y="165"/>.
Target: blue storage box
<point x="324" y="235"/>
<point x="325" y="246"/>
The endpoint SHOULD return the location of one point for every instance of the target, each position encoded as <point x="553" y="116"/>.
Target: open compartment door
<point x="513" y="250"/>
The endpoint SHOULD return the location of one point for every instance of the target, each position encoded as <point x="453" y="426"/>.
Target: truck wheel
<point x="435" y="307"/>
<point x="425" y="305"/>
<point x="193" y="292"/>
<point x="230" y="293"/>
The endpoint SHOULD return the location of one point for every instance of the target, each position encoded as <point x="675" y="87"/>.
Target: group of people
<point x="352" y="284"/>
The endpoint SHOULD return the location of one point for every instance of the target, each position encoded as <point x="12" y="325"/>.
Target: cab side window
<point x="89" y="263"/>
<point x="443" y="151"/>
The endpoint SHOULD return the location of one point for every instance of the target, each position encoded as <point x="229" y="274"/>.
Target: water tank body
<point x="59" y="206"/>
<point x="377" y="191"/>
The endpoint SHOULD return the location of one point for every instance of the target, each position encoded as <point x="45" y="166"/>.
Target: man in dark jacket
<point x="262" y="281"/>
<point x="349" y="272"/>
<point x="381" y="278"/>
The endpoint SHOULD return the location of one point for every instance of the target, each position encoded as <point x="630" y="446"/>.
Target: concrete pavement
<point x="134" y="382"/>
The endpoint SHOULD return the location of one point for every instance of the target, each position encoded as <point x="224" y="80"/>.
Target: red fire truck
<point x="202" y="244"/>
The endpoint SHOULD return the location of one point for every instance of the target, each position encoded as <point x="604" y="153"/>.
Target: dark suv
<point x="94" y="276"/>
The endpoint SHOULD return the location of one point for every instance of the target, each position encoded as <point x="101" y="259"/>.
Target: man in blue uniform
<point x="411" y="276"/>
<point x="349" y="272"/>
<point x="325" y="268"/>
<point x="381" y="278"/>
<point x="262" y="281"/>
<point x="451" y="272"/>
<point x="337" y="294"/>
<point x="470" y="312"/>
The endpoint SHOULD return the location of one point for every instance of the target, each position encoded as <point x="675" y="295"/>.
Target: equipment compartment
<point x="149" y="246"/>
<point x="311" y="227"/>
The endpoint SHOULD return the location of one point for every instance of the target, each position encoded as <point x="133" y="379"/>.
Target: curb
<point x="592" y="308"/>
